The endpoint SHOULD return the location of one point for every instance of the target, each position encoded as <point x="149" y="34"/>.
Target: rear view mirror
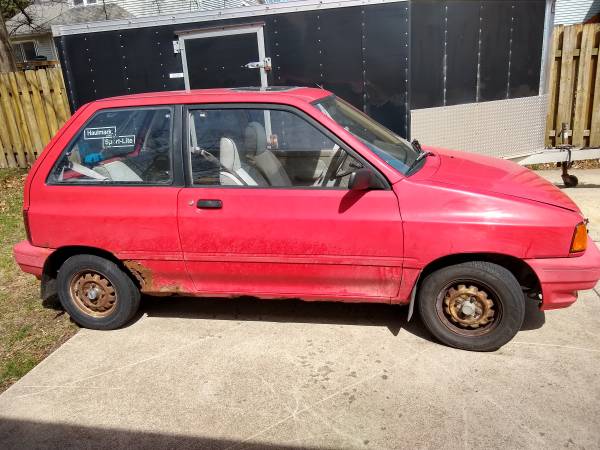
<point x="362" y="180"/>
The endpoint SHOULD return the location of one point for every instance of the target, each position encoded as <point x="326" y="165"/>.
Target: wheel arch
<point x="61" y="254"/>
<point x="522" y="271"/>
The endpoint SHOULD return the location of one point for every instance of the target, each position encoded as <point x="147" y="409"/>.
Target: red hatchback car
<point x="292" y="193"/>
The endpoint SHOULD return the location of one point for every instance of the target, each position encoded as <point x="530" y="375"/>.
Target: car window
<point x="124" y="146"/>
<point x="390" y="147"/>
<point x="263" y="148"/>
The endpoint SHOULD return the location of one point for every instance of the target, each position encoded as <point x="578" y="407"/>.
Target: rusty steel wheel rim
<point x="469" y="307"/>
<point x="93" y="293"/>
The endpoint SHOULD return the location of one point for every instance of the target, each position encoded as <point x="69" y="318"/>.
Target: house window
<point x="84" y="2"/>
<point x="25" y="51"/>
<point x="29" y="50"/>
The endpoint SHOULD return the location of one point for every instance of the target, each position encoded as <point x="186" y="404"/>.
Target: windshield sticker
<point x="99" y="132"/>
<point x="119" y="141"/>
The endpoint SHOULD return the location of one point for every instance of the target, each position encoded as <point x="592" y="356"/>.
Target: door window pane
<point x="127" y="146"/>
<point x="264" y="148"/>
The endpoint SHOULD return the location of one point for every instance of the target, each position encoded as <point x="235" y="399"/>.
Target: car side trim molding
<point x="356" y="260"/>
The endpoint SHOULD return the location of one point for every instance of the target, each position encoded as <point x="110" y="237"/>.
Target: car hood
<point x="477" y="172"/>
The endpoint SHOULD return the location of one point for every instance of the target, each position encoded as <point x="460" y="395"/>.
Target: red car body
<point x="367" y="246"/>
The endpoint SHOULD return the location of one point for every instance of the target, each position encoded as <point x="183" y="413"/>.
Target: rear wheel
<point x="96" y="293"/>
<point x="472" y="306"/>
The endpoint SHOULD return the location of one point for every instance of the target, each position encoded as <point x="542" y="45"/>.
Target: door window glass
<point x="264" y="148"/>
<point x="131" y="146"/>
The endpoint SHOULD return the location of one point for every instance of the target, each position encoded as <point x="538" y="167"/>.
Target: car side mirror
<point x="362" y="180"/>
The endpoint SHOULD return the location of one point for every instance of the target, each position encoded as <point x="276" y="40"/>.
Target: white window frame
<point x="18" y="44"/>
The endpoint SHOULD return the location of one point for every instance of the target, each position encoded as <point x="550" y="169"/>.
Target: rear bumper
<point x="561" y="278"/>
<point x="31" y="259"/>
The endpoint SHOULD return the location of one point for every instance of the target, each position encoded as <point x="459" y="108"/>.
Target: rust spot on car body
<point x="148" y="284"/>
<point x="141" y="273"/>
<point x="170" y="289"/>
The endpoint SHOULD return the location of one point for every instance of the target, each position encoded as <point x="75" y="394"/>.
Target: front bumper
<point x="561" y="278"/>
<point x="31" y="259"/>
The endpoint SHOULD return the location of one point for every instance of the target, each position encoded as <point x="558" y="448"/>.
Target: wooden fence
<point x="575" y="86"/>
<point x="33" y="106"/>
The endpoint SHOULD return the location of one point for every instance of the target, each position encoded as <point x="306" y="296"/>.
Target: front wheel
<point x="96" y="293"/>
<point x="476" y="305"/>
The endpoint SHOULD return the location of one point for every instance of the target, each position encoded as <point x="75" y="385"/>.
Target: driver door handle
<point x="209" y="204"/>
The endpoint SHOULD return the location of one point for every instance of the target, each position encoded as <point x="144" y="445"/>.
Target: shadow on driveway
<point x="393" y="317"/>
<point x="18" y="434"/>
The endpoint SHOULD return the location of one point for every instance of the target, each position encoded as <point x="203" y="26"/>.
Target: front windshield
<point x="390" y="147"/>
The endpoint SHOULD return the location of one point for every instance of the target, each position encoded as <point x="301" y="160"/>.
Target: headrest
<point x="255" y="139"/>
<point x="228" y="154"/>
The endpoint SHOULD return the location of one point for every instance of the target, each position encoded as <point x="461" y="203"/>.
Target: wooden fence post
<point x="595" y="119"/>
<point x="574" y="96"/>
<point x="557" y="39"/>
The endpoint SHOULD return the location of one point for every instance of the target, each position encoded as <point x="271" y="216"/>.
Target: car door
<point x="249" y="227"/>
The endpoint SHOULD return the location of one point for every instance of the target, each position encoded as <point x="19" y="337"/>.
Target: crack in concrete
<point x="126" y="366"/>
<point x="568" y="347"/>
<point x="274" y="393"/>
<point x="493" y="402"/>
<point x="335" y="428"/>
<point x="465" y="422"/>
<point x="323" y="400"/>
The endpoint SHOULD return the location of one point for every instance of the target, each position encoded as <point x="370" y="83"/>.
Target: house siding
<point x="45" y="47"/>
<point x="568" y="12"/>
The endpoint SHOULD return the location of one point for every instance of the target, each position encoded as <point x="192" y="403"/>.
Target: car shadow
<point x="53" y="303"/>
<point x="579" y="186"/>
<point x="534" y="316"/>
<point x="393" y="317"/>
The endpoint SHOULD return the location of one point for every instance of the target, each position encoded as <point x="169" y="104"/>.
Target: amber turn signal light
<point x="579" y="242"/>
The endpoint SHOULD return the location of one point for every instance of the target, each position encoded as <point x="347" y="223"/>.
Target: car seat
<point x="255" y="143"/>
<point x="234" y="169"/>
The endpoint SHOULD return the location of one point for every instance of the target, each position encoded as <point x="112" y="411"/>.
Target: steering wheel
<point x="337" y="161"/>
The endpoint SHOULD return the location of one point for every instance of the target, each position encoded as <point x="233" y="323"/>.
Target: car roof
<point x="277" y="94"/>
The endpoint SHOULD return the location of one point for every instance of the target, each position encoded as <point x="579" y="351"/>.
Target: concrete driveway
<point x="193" y="373"/>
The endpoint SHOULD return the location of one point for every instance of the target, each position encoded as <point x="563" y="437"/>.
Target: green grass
<point x="29" y="331"/>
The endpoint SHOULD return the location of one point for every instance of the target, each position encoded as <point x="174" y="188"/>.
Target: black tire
<point x="570" y="180"/>
<point x="499" y="323"/>
<point x="116" y="290"/>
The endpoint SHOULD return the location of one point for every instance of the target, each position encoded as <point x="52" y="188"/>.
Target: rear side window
<point x="121" y="146"/>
